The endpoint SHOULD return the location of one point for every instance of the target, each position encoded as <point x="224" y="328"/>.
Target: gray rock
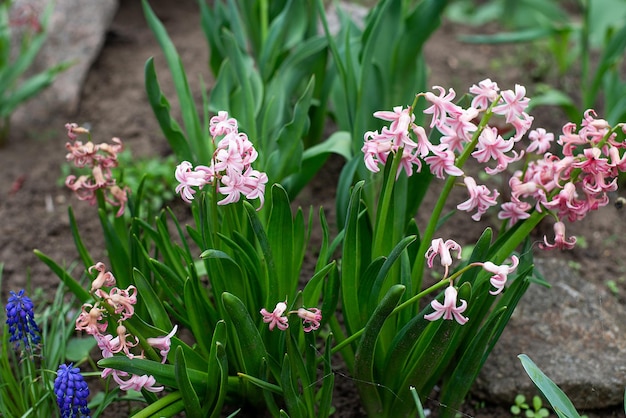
<point x="76" y="33"/>
<point x="575" y="332"/>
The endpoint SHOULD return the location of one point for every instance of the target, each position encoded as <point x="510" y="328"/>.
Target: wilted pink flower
<point x="88" y="320"/>
<point x="560" y="241"/>
<point x="480" y="199"/>
<point x="163" y="343"/>
<point x="448" y="310"/>
<point x="310" y="318"/>
<point x="500" y="273"/>
<point x="122" y="300"/>
<point x="276" y="318"/>
<point x="104" y="278"/>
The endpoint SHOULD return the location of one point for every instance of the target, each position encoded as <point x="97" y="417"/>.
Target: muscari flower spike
<point x="72" y="392"/>
<point x="21" y="320"/>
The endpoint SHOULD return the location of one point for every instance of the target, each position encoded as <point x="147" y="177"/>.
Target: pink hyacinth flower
<point x="540" y="141"/>
<point x="448" y="310"/>
<point x="163" y="343"/>
<point x="560" y="241"/>
<point x="500" y="274"/>
<point x="443" y="249"/>
<point x="484" y="93"/>
<point x="276" y="318"/>
<point x="480" y="199"/>
<point x="311" y="318"/>
<point x="189" y="178"/>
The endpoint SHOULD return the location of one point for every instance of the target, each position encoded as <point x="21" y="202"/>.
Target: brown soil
<point x="33" y="205"/>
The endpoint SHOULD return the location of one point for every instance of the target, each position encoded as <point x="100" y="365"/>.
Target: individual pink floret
<point x="311" y="318"/>
<point x="163" y="343"/>
<point x="448" y="310"/>
<point x="500" y="274"/>
<point x="276" y="318"/>
<point x="442" y="249"/>
<point x="560" y="241"/>
<point x="540" y="141"/>
<point x="480" y="199"/>
<point x="515" y="102"/>
<point x="484" y="93"/>
<point x="104" y="278"/>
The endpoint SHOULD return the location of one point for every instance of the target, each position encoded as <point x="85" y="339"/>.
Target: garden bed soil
<point x="33" y="201"/>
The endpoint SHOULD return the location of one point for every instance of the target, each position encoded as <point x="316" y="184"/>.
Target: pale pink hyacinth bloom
<point x="448" y="310"/>
<point x="136" y="382"/>
<point x="442" y="161"/>
<point x="311" y="318"/>
<point x="163" y="343"/>
<point x="560" y="240"/>
<point x="276" y="318"/>
<point x="480" y="199"/>
<point x="230" y="166"/>
<point x="443" y="250"/>
<point x="188" y="177"/>
<point x="500" y="274"/>
<point x="540" y="141"/>
<point x="484" y="93"/>
<point x="123" y="342"/>
<point x="222" y="124"/>
<point x="514" y="211"/>
<point x="515" y="102"/>
<point x="492" y="146"/>
<point x="442" y="105"/>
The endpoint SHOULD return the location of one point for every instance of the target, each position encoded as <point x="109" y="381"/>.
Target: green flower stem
<point x="418" y="268"/>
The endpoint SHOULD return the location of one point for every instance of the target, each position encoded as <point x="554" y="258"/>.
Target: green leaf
<point x="161" y="108"/>
<point x="364" y="356"/>
<point x="190" y="397"/>
<point x="351" y="262"/>
<point x="250" y="348"/>
<point x="561" y="404"/>
<point x="152" y="302"/>
<point x="75" y="287"/>
<point x="189" y="115"/>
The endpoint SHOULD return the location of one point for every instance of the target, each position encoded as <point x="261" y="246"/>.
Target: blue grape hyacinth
<point x="23" y="329"/>
<point x="72" y="392"/>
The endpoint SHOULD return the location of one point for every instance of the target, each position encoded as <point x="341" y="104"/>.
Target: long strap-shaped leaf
<point x="364" y="357"/>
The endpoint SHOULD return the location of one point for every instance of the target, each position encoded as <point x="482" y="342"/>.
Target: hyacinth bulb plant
<point x="263" y="333"/>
